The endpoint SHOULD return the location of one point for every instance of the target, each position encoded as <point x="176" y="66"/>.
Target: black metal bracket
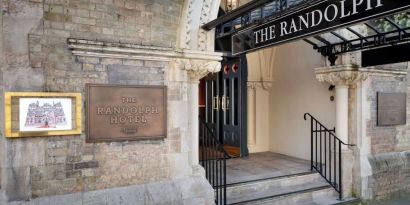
<point x="257" y="12"/>
<point x="395" y="36"/>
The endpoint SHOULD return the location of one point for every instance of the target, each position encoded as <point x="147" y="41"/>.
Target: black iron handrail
<point x="326" y="153"/>
<point x="213" y="158"/>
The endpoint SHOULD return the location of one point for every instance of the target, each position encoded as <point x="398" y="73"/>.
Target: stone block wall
<point x="153" y="22"/>
<point x="390" y="145"/>
<point x="73" y="166"/>
<point x="386" y="139"/>
<point x="66" y="164"/>
<point x="37" y="58"/>
<point x="1" y="79"/>
<point x="390" y="175"/>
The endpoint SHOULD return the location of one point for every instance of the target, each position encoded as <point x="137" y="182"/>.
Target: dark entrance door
<point x="226" y="105"/>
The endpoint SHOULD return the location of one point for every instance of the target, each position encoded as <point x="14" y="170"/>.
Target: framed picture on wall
<point x="45" y="114"/>
<point x="42" y="114"/>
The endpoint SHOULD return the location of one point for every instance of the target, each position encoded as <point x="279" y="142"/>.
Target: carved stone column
<point x="251" y="114"/>
<point x="343" y="77"/>
<point x="257" y="117"/>
<point x="259" y="82"/>
<point x="196" y="69"/>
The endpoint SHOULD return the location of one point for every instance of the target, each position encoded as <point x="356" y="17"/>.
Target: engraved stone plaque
<point x="391" y="109"/>
<point x="123" y="112"/>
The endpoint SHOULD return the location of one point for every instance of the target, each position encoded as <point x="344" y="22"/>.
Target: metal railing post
<point x="311" y="144"/>
<point x="214" y="162"/>
<point x="322" y="166"/>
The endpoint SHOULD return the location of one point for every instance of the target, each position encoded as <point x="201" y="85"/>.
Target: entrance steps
<point x="300" y="189"/>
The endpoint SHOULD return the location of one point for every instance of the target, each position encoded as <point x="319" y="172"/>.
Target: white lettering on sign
<point x="265" y="34"/>
<point x="331" y="13"/>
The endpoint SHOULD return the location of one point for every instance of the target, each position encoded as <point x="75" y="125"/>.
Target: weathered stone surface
<point x="169" y="192"/>
<point x="391" y="174"/>
<point x="125" y="74"/>
<point x="24" y="153"/>
<point x="35" y="57"/>
<point x="84" y="165"/>
<point x="391" y="138"/>
<point x="16" y="183"/>
<point x="192" y="190"/>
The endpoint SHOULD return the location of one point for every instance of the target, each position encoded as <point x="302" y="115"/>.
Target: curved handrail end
<point x="305" y="115"/>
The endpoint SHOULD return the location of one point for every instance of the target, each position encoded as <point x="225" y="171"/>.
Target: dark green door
<point x="226" y="105"/>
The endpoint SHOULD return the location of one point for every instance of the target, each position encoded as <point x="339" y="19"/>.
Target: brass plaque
<point x="123" y="112"/>
<point x="391" y="109"/>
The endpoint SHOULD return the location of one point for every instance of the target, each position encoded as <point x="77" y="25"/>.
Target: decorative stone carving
<point x="251" y="85"/>
<point x="198" y="69"/>
<point x="266" y="85"/>
<point x="195" y="14"/>
<point x="349" y="75"/>
<point x="133" y="51"/>
<point x="188" y="25"/>
<point x="203" y="19"/>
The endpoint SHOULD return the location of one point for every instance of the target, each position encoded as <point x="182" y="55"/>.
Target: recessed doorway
<point x="223" y="105"/>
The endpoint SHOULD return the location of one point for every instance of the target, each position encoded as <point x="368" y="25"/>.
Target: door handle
<point x="215" y="103"/>
<point x="223" y="103"/>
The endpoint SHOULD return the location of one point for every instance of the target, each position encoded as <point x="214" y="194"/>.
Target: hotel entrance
<point x="223" y="105"/>
<point x="295" y="138"/>
<point x="251" y="115"/>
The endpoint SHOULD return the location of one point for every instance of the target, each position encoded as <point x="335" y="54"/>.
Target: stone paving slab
<point x="395" y="201"/>
<point x="263" y="165"/>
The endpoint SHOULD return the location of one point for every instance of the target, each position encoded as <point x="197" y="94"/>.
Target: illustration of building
<point x="46" y="115"/>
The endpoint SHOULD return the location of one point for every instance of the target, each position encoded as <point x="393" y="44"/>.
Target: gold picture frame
<point x="11" y="99"/>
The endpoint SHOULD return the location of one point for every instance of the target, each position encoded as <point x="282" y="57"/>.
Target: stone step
<point x="275" y="183"/>
<point x="317" y="196"/>
<point x="301" y="189"/>
<point x="288" y="195"/>
<point x="332" y="201"/>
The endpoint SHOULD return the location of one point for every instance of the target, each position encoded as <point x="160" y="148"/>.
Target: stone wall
<point x="390" y="175"/>
<point x="390" y="145"/>
<point x="37" y="58"/>
<point x="1" y="81"/>
<point x="386" y="139"/>
<point x="175" y="192"/>
<point x="71" y="165"/>
<point x="153" y="23"/>
<point x="143" y="22"/>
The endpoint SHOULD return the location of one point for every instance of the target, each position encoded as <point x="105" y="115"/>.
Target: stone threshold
<point x="270" y="178"/>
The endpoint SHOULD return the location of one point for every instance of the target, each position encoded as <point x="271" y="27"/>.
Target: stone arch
<point x="196" y="13"/>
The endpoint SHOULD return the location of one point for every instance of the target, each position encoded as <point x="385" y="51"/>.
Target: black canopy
<point x="371" y="24"/>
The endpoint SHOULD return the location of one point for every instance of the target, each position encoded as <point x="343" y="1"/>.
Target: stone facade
<point x="60" y="45"/>
<point x="391" y="138"/>
<point x="380" y="153"/>
<point x="390" y="146"/>
<point x="37" y="55"/>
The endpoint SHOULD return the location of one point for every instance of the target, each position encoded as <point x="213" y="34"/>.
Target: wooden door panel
<point x="225" y="105"/>
<point x="231" y="104"/>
